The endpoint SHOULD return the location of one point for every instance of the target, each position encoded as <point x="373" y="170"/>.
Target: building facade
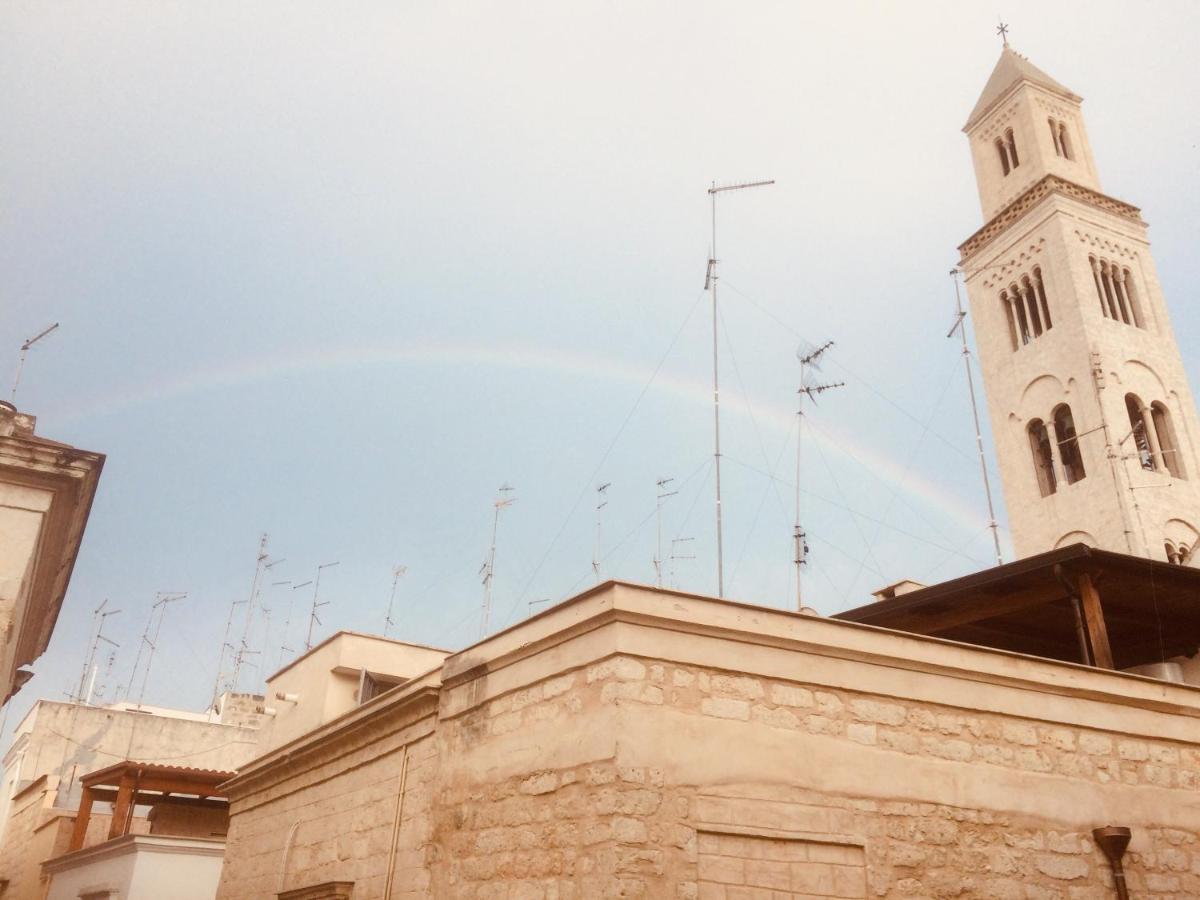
<point x="1095" y="426"/>
<point x="635" y="742"/>
<point x="46" y="493"/>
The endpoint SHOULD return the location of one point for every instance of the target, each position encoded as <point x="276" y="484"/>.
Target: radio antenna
<point x="661" y="495"/>
<point x="397" y="574"/>
<point x="809" y="362"/>
<point x="284" y="647"/>
<point x="316" y="604"/>
<point x="160" y="606"/>
<point x="960" y="316"/>
<point x="98" y="617"/>
<point x="21" y="361"/>
<point x="710" y="284"/>
<point x="601" y="502"/>
<point x="674" y="555"/>
<point x="488" y="569"/>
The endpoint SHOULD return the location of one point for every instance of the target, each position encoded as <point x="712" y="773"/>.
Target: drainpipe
<point x="391" y="866"/>
<point x="1113" y="839"/>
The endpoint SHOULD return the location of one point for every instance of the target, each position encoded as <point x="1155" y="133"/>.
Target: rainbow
<point x="528" y="358"/>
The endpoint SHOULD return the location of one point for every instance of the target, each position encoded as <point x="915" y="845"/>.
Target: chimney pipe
<point x="1113" y="839"/>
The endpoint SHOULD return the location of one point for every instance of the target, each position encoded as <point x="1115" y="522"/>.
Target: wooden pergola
<point x="131" y="784"/>
<point x="1076" y="604"/>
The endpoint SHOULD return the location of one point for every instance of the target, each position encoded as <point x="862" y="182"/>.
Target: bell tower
<point x="1095" y="426"/>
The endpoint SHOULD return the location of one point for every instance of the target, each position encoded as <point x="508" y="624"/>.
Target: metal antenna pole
<point x="312" y="619"/>
<point x="397" y="574"/>
<point x="809" y="360"/>
<point x="160" y="604"/>
<point x="600" y="504"/>
<point x="98" y="617"/>
<point x="488" y="569"/>
<point x="710" y="284"/>
<point x="287" y="625"/>
<point x="661" y="495"/>
<point x="108" y="670"/>
<point x="960" y="316"/>
<point x="260" y="564"/>
<point x="675" y="556"/>
<point x="21" y="361"/>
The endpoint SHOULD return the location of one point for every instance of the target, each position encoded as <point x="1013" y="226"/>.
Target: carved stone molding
<point x="1047" y="186"/>
<point x="326" y="890"/>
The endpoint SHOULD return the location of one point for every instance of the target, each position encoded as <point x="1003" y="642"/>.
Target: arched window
<point x="1068" y="445"/>
<point x="1043" y="458"/>
<point x="1114" y="287"/>
<point x="1063" y="141"/>
<point x="1172" y="553"/>
<point x="1031" y="303"/>
<point x="1140" y="432"/>
<point x="1003" y="151"/>
<point x="1012" y="148"/>
<point x="1125" y="285"/>
<point x="1054" y="137"/>
<point x="1026" y="309"/>
<point x="1168" y="444"/>
<point x="1007" y="302"/>
<point x="1040" y="286"/>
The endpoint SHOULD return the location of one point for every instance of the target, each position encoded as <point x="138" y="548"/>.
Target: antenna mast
<point x="287" y="622"/>
<point x="960" y="316"/>
<point x="488" y="569"/>
<point x="21" y="361"/>
<point x="312" y="619"/>
<point x="243" y="650"/>
<point x="160" y="606"/>
<point x="98" y="617"/>
<point x="601" y="502"/>
<point x="397" y="574"/>
<point x="809" y="360"/>
<point x="710" y="284"/>
<point x="676" y="555"/>
<point x="660" y="496"/>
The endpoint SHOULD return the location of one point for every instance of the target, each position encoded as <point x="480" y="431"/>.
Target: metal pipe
<point x="1113" y="839"/>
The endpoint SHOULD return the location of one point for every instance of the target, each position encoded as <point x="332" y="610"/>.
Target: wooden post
<point x="81" y="820"/>
<point x="120" y="813"/>
<point x="1094" y="615"/>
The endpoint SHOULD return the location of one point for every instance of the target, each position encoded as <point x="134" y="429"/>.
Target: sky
<point x="337" y="276"/>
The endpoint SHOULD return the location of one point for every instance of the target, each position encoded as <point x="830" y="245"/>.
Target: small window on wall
<point x="1026" y="308"/>
<point x="1043" y="458"/>
<point x="1068" y="445"/>
<point x="1062" y="143"/>
<point x="1118" y="298"/>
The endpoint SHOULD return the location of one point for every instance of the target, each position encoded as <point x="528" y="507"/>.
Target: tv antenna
<point x="676" y="555"/>
<point x="601" y="502"/>
<point x="661" y="495"/>
<point x="261" y="566"/>
<point x="810" y="361"/>
<point x="316" y="604"/>
<point x="287" y="622"/>
<point x="960" y="316"/>
<point x="710" y="284"/>
<point x="162" y="599"/>
<point x="488" y="569"/>
<point x="98" y="617"/>
<point x="397" y="574"/>
<point x="21" y="360"/>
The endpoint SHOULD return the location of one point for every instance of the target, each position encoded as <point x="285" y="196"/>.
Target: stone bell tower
<point x="1095" y="426"/>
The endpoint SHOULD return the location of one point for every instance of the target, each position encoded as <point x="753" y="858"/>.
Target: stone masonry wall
<point x="608" y="830"/>
<point x="336" y="822"/>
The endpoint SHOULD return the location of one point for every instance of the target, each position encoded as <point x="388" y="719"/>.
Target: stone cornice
<point x="1037" y="192"/>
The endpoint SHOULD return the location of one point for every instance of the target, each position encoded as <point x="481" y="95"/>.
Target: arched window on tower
<point x="1114" y="287"/>
<point x="1168" y="444"/>
<point x="1125" y="285"/>
<point x="1026" y="309"/>
<point x="1003" y="152"/>
<point x="1068" y="445"/>
<point x="1012" y="148"/>
<point x="1172" y="553"/>
<point x="1064" y="141"/>
<point x="1043" y="459"/>
<point x="1140" y="433"/>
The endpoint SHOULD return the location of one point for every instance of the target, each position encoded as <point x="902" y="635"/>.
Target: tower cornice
<point x="1038" y="191"/>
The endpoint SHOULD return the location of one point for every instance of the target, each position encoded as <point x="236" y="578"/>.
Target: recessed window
<point x="1115" y="289"/>
<point x="1006" y="149"/>
<point x="1068" y="445"/>
<point x="1026" y="308"/>
<point x="1062" y="142"/>
<point x="1139" y="431"/>
<point x="1168" y="443"/>
<point x="1043" y="457"/>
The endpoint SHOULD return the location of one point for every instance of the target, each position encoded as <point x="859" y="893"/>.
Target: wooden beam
<point x="143" y="799"/>
<point x="1094" y="618"/>
<point x="966" y="611"/>
<point x="81" y="820"/>
<point x="120" y="814"/>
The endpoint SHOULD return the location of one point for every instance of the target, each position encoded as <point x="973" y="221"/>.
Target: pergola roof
<point x="1146" y="611"/>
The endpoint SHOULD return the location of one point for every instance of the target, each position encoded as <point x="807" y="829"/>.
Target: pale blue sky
<point x="337" y="277"/>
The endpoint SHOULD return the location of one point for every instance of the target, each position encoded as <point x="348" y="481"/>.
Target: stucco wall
<point x="725" y="749"/>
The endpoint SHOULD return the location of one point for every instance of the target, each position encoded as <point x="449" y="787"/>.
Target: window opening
<point x="1012" y="148"/>
<point x="1172" y="553"/>
<point x="1054" y="137"/>
<point x="1003" y="151"/>
<point x="1140" y="434"/>
<point x="1043" y="457"/>
<point x="1168" y="444"/>
<point x="1064" y="142"/>
<point x="1068" y="445"/>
